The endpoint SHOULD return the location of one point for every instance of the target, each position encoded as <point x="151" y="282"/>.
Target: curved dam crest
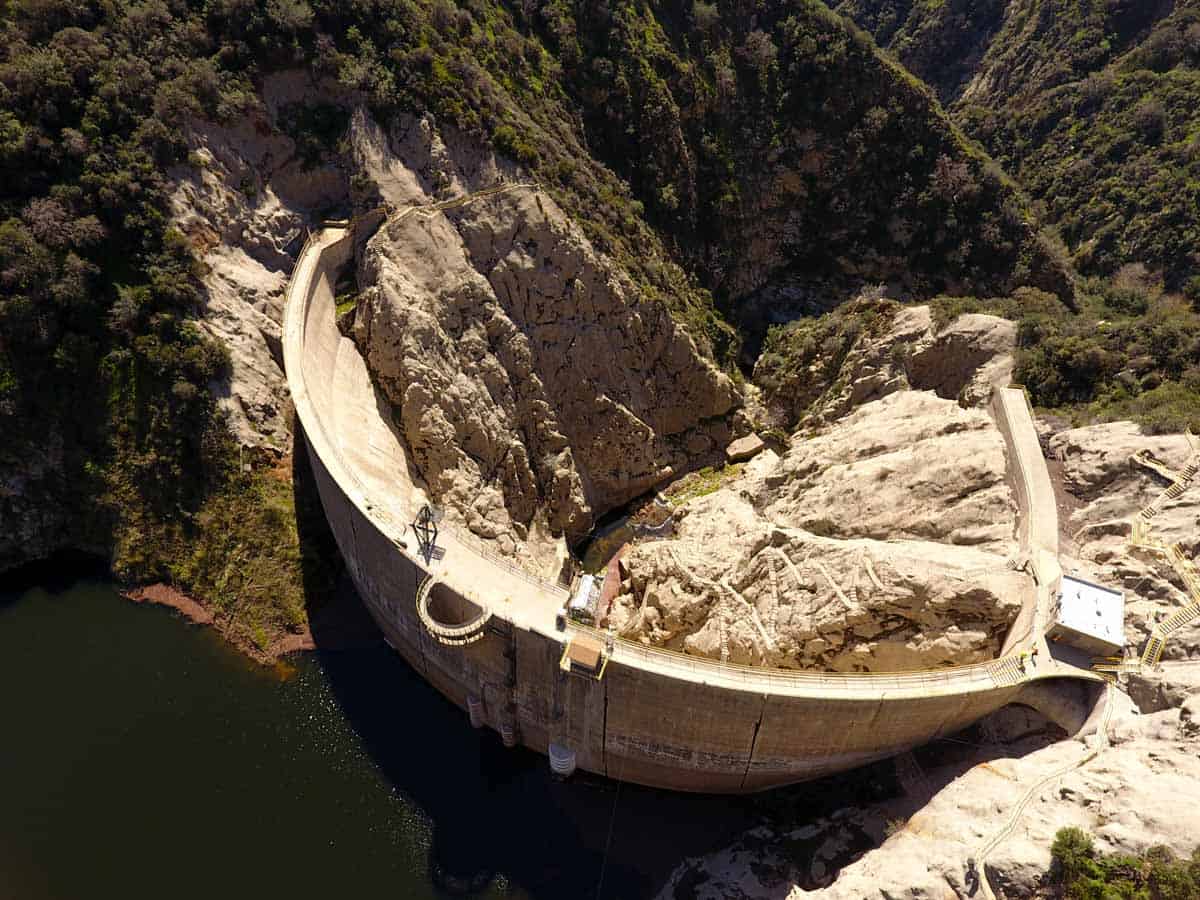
<point x="653" y="716"/>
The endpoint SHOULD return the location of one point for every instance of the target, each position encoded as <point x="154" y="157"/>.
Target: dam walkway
<point x="354" y="436"/>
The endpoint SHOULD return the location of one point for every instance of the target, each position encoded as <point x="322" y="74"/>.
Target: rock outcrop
<point x="244" y="201"/>
<point x="1104" y="491"/>
<point x="879" y="543"/>
<point x="877" y="347"/>
<point x="530" y="379"/>
<point x="1137" y="791"/>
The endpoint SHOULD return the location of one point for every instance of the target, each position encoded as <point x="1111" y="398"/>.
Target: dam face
<point x="645" y="715"/>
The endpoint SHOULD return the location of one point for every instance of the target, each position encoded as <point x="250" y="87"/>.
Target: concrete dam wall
<point x="486" y="634"/>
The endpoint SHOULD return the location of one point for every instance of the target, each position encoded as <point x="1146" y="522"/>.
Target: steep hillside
<point x="1092" y="106"/>
<point x="769" y="139"/>
<point x="703" y="149"/>
<point x="941" y="43"/>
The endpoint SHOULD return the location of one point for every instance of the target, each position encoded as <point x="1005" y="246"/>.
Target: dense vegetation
<point x="1131" y="351"/>
<point x="941" y="43"/>
<point x="98" y="354"/>
<point x="770" y="138"/>
<point x="752" y="140"/>
<point x="1081" y="873"/>
<point x="713" y="149"/>
<point x="107" y="408"/>
<point x="1093" y="106"/>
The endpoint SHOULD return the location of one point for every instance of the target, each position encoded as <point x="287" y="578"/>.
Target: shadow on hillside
<point x="337" y="618"/>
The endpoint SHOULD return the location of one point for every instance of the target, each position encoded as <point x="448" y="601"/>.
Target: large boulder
<point x="880" y="544"/>
<point x="530" y="378"/>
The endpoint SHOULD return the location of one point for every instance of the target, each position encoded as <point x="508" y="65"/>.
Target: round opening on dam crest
<point x="448" y="609"/>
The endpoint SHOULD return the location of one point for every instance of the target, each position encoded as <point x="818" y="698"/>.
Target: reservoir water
<point x="142" y="757"/>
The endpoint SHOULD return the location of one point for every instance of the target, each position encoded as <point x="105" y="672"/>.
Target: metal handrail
<point x="990" y="672"/>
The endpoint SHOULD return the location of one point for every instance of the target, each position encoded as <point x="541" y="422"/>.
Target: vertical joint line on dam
<point x="762" y="712"/>
<point x="604" y="735"/>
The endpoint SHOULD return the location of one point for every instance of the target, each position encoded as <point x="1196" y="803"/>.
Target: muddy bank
<point x="340" y="624"/>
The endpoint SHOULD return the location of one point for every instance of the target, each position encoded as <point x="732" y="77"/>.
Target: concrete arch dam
<point x="644" y="715"/>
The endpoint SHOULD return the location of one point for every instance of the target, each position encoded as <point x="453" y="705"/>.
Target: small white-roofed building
<point x="1089" y="617"/>
<point x="582" y="606"/>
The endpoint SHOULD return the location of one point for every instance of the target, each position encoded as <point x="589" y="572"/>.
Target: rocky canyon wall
<point x="532" y="381"/>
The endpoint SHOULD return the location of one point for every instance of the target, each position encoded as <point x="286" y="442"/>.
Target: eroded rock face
<point x="244" y="204"/>
<point x="910" y="466"/>
<point x="880" y="544"/>
<point x="1106" y="491"/>
<point x="962" y="360"/>
<point x="530" y="379"/>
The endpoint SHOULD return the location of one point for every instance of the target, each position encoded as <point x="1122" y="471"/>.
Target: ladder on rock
<point x="1139" y="536"/>
<point x="1111" y="666"/>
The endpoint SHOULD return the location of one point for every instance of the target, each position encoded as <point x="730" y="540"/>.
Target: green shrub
<point x="507" y="141"/>
<point x="1084" y="874"/>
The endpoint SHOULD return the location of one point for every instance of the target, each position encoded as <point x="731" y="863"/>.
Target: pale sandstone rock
<point x="1107" y="491"/>
<point x="244" y="208"/>
<point x="529" y="378"/>
<point x="911" y="465"/>
<point x="961" y="361"/>
<point x="1142" y="790"/>
<point x="880" y="544"/>
<point x="744" y="448"/>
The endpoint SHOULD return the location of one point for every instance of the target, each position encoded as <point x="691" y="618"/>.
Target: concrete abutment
<point x="649" y="716"/>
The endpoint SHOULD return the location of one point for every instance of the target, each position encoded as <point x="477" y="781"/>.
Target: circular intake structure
<point x="452" y="620"/>
<point x="562" y="760"/>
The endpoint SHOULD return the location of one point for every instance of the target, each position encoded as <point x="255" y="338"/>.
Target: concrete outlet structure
<point x="487" y="635"/>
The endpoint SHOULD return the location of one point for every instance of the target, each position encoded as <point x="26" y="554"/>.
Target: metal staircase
<point x="1008" y="670"/>
<point x="1140" y="536"/>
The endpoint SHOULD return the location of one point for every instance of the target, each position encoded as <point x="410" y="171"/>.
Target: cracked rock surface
<point x="1104" y="491"/>
<point x="1137" y="791"/>
<point x="532" y="382"/>
<point x="880" y="542"/>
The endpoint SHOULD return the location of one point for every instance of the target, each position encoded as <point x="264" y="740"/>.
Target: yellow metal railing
<point x="1140" y="536"/>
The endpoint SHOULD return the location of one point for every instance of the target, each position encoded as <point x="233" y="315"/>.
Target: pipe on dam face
<point x="651" y="716"/>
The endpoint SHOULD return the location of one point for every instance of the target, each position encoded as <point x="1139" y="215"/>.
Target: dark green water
<point x="142" y="758"/>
